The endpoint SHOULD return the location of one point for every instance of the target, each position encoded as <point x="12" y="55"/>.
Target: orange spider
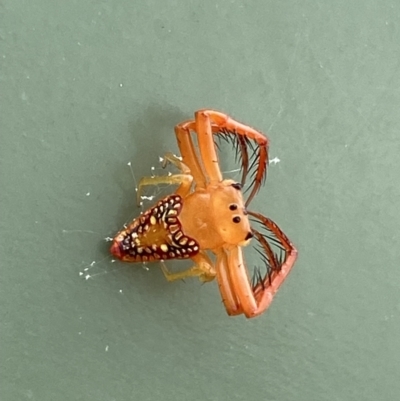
<point x="208" y="214"/>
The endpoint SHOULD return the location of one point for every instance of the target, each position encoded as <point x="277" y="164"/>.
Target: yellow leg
<point x="202" y="269"/>
<point x="185" y="179"/>
<point x="177" y="162"/>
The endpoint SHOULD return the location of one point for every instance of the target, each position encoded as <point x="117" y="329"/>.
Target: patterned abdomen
<point x="155" y="235"/>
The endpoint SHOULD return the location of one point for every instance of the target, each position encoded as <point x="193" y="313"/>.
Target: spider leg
<point x="209" y="122"/>
<point x="207" y="149"/>
<point x="176" y="161"/>
<point x="254" y="300"/>
<point x="280" y="268"/>
<point x="232" y="304"/>
<point x="188" y="153"/>
<point x="185" y="181"/>
<point x="241" y="284"/>
<point x="202" y="269"/>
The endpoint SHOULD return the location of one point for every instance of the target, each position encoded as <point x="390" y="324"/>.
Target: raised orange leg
<point x="255" y="300"/>
<point x="265" y="291"/>
<point x="189" y="156"/>
<point x="209" y="121"/>
<point x="229" y="298"/>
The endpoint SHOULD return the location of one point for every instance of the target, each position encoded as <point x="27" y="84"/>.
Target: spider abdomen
<point x="155" y="235"/>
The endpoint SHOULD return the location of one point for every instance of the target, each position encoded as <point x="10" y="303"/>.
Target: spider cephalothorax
<point x="208" y="214"/>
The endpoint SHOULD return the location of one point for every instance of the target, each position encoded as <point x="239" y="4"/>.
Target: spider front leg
<point x="229" y="298"/>
<point x="184" y="179"/>
<point x="189" y="156"/>
<point x="209" y="123"/>
<point x="238" y="293"/>
<point x="202" y="269"/>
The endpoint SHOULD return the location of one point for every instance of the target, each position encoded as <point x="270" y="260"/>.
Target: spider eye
<point x="236" y="219"/>
<point x="237" y="185"/>
<point x="233" y="206"/>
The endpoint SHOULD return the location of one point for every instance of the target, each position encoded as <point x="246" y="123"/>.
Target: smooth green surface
<point x="87" y="86"/>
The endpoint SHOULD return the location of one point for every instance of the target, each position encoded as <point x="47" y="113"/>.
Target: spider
<point x="206" y="218"/>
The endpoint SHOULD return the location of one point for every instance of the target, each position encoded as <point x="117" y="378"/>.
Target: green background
<point x="87" y="86"/>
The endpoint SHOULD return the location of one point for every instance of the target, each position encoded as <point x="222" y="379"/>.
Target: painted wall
<point x="87" y="87"/>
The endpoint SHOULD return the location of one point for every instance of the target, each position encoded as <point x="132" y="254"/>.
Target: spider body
<point x="158" y="233"/>
<point x="209" y="214"/>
